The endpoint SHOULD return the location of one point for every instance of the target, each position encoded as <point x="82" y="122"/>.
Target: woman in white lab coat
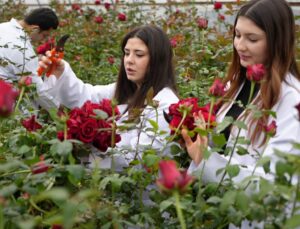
<point x="146" y="63"/>
<point x="264" y="33"/>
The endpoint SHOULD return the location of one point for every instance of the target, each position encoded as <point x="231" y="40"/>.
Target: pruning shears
<point x="57" y="53"/>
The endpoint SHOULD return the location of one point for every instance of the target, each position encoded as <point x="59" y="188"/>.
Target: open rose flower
<point x="255" y="72"/>
<point x="172" y="178"/>
<point x="8" y="95"/>
<point x="87" y="126"/>
<point x="121" y="17"/>
<point x="98" y="19"/>
<point x="31" y="124"/>
<point x="218" y="5"/>
<point x="202" y="23"/>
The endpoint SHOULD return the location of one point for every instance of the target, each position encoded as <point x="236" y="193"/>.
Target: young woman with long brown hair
<point x="264" y="33"/>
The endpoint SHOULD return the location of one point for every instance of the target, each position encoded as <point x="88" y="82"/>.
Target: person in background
<point x="17" y="40"/>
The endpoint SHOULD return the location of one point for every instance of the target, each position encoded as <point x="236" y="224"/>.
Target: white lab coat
<point x="16" y="49"/>
<point x="71" y="92"/>
<point x="288" y="131"/>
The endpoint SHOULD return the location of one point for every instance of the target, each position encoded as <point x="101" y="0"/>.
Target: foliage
<point x="44" y="182"/>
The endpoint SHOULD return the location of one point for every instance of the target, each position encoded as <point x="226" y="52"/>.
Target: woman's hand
<point x="45" y="63"/>
<point x="195" y="148"/>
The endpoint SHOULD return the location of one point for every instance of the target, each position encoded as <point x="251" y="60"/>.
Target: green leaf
<point x="240" y="124"/>
<point x="165" y="204"/>
<point x="293" y="222"/>
<point x="228" y="200"/>
<point x="242" y="202"/>
<point x="241" y="150"/>
<point x="100" y="114"/>
<point x="219" y="140"/>
<point x="61" y="148"/>
<point x="151" y="160"/>
<point x="232" y="170"/>
<point x="154" y="125"/>
<point x="8" y="190"/>
<point x="75" y="173"/>
<point x="56" y="194"/>
<point x="214" y="200"/>
<point x="224" y="124"/>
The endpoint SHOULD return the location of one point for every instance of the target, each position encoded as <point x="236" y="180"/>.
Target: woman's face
<point x="136" y="60"/>
<point x="250" y="42"/>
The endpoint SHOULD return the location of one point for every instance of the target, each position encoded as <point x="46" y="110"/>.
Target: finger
<point x="187" y="139"/>
<point x="48" y="54"/>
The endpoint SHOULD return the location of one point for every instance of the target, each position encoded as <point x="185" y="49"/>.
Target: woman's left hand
<point x="195" y="148"/>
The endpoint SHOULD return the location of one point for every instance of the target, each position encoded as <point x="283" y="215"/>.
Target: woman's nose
<point x="240" y="44"/>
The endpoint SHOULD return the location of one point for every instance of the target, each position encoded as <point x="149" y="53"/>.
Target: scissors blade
<point x="61" y="43"/>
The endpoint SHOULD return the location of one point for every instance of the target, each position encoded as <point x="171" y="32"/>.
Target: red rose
<point x="217" y="5"/>
<point x="107" y="6"/>
<point x="97" y="2"/>
<point x="56" y="226"/>
<point x="8" y="97"/>
<point x="40" y="167"/>
<point x="106" y="106"/>
<point x="172" y="178"/>
<point x="173" y="42"/>
<point x="31" y="124"/>
<point x="25" y="81"/>
<point x="75" y="6"/>
<point x="88" y="131"/>
<point x="202" y="23"/>
<point x="43" y="48"/>
<point x="111" y="60"/>
<point x="298" y="109"/>
<point x="255" y="72"/>
<point x="103" y="138"/>
<point x="73" y="128"/>
<point x="88" y="108"/>
<point x="270" y="129"/>
<point x="217" y="89"/>
<point x="121" y="17"/>
<point x="221" y="17"/>
<point x="98" y="19"/>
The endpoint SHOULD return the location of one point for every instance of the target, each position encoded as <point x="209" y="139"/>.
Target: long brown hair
<point x="276" y="19"/>
<point x="160" y="72"/>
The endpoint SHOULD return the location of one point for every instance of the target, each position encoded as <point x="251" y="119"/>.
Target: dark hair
<point x="45" y="18"/>
<point x="160" y="72"/>
<point x="276" y="19"/>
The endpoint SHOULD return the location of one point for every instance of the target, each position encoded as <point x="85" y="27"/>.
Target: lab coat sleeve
<point x="71" y="92"/>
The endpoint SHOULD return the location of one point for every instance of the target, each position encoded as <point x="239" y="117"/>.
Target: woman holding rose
<point x="146" y="66"/>
<point x="264" y="56"/>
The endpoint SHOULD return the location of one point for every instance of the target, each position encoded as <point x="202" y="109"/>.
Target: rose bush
<point x="42" y="185"/>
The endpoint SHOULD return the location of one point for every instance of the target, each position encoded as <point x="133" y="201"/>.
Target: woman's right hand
<point x="196" y="148"/>
<point x="45" y="63"/>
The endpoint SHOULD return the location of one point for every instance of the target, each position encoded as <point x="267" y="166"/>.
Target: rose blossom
<point x="39" y="167"/>
<point x="202" y="23"/>
<point x="111" y="60"/>
<point x="8" y="96"/>
<point x="217" y="5"/>
<point x="88" y="130"/>
<point x="172" y="178"/>
<point x="217" y="89"/>
<point x="31" y="124"/>
<point x="255" y="72"/>
<point x="270" y="129"/>
<point x="121" y="17"/>
<point x="98" y="19"/>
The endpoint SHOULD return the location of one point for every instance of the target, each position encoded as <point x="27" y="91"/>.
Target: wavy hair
<point x="160" y="73"/>
<point x="276" y="19"/>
